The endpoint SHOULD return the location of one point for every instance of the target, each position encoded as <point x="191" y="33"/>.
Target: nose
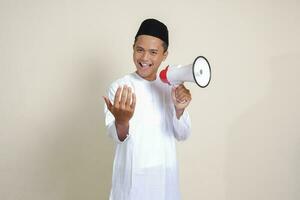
<point x="145" y="56"/>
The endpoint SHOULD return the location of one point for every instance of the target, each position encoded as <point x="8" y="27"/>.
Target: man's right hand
<point x="122" y="109"/>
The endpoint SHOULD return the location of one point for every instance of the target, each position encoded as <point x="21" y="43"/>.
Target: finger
<point x="185" y="99"/>
<point x="180" y="98"/>
<point x="182" y="101"/>
<point x="108" y="103"/>
<point x="123" y="96"/>
<point x="117" y="96"/>
<point x="133" y="101"/>
<point x="129" y="97"/>
<point x="182" y="91"/>
<point x="183" y="95"/>
<point x="173" y="93"/>
<point x="180" y="87"/>
<point x="178" y="90"/>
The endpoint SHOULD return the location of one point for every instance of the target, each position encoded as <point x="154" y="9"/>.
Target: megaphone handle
<point x="174" y="86"/>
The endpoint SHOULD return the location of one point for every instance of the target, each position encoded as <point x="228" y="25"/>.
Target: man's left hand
<point x="181" y="97"/>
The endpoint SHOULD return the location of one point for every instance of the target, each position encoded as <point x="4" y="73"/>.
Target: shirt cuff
<point x="182" y="126"/>
<point x="182" y="118"/>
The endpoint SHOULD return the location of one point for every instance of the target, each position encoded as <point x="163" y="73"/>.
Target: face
<point x="148" y="53"/>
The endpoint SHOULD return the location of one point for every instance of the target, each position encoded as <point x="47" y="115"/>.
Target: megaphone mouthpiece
<point x="163" y="75"/>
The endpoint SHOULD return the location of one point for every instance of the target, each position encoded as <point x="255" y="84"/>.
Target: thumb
<point x="108" y="103"/>
<point x="174" y="92"/>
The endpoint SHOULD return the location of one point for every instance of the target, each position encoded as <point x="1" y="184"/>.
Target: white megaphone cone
<point x="199" y="72"/>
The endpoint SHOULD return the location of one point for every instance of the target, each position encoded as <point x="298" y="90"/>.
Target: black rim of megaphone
<point x="209" y="71"/>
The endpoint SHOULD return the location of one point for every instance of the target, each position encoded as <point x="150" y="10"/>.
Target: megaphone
<point x="198" y="72"/>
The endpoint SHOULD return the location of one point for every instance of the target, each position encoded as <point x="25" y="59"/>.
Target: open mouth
<point x="145" y="65"/>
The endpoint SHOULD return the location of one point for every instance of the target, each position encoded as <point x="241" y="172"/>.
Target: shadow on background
<point x="264" y="143"/>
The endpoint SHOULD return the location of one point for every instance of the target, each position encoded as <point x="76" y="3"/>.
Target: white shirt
<point x="145" y="163"/>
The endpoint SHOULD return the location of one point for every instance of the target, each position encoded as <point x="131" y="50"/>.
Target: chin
<point x="144" y="75"/>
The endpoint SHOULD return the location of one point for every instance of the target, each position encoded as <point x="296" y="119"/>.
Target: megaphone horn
<point x="199" y="72"/>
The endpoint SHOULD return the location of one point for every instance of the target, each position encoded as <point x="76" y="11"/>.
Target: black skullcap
<point x="154" y="28"/>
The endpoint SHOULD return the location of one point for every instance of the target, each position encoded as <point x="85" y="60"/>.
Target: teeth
<point x="145" y="65"/>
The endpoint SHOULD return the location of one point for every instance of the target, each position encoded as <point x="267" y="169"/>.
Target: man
<point x="144" y="117"/>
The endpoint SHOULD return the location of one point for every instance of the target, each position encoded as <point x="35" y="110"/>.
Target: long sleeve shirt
<point x="145" y="163"/>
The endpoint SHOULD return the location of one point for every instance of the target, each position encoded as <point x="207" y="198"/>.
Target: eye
<point x="139" y="50"/>
<point x="153" y="53"/>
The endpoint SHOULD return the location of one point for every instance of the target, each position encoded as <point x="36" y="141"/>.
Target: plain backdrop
<point x="58" y="57"/>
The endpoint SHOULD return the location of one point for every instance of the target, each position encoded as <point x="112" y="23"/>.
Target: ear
<point x="165" y="55"/>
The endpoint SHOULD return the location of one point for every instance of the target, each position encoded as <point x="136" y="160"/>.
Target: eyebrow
<point x="144" y="49"/>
